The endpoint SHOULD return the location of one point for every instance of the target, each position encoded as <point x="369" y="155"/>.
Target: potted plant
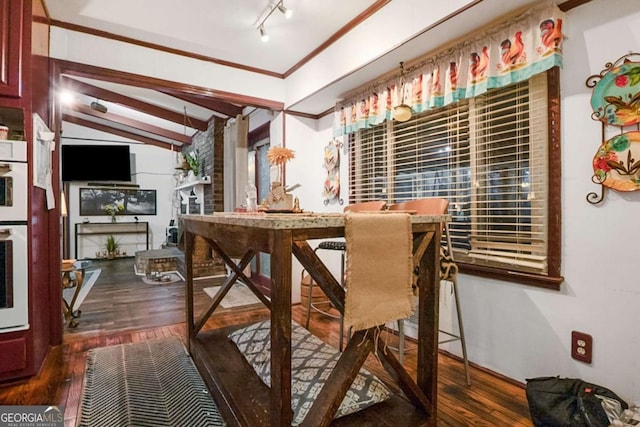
<point x="111" y="246"/>
<point x="193" y="160"/>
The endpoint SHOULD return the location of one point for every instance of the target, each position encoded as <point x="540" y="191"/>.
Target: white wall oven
<point x="14" y="312"/>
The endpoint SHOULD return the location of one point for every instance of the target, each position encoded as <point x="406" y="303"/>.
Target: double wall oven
<point x="14" y="312"/>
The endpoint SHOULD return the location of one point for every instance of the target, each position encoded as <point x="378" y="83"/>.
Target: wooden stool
<point x="72" y="277"/>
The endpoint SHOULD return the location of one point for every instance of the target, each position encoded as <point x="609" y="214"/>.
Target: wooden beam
<point x="570" y="4"/>
<point x="122" y="77"/>
<point x="120" y="132"/>
<point x="125" y="121"/>
<point x="301" y="114"/>
<point x="208" y="102"/>
<point x="144" y="107"/>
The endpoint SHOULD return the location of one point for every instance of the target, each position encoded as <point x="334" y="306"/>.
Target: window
<point x="490" y="156"/>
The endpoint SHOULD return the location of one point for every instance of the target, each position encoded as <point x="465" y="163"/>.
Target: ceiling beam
<point x="222" y="107"/>
<point x="125" y="78"/>
<point x="125" y="121"/>
<point x="120" y="132"/>
<point x="143" y="107"/>
<point x="570" y="4"/>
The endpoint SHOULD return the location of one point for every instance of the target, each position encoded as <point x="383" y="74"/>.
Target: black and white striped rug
<point x="151" y="383"/>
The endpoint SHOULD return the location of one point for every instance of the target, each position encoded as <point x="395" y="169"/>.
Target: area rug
<point x="151" y="383"/>
<point x="90" y="277"/>
<point x="237" y="296"/>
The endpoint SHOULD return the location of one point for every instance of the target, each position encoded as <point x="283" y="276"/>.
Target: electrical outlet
<point x="581" y="346"/>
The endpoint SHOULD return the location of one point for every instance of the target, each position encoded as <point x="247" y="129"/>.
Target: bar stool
<point x="72" y="277"/>
<point x="333" y="245"/>
<point x="448" y="272"/>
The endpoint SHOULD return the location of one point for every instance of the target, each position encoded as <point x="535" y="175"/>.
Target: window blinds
<point x="487" y="155"/>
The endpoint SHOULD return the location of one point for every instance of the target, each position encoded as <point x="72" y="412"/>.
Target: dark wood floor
<point x="121" y="308"/>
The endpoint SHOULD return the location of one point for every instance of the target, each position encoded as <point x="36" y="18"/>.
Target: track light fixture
<point x="97" y="106"/>
<point x="288" y="13"/>
<point x="263" y="34"/>
<point x="279" y="5"/>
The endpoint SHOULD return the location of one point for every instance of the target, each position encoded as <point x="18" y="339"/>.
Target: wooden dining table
<point x="237" y="238"/>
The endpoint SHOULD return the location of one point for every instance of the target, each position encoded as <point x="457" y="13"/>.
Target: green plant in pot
<point x="193" y="159"/>
<point x="111" y="246"/>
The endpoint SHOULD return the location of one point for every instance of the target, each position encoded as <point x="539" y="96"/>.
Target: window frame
<point x="552" y="279"/>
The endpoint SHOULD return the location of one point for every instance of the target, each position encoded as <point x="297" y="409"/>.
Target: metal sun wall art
<point x="616" y="104"/>
<point x="331" y="190"/>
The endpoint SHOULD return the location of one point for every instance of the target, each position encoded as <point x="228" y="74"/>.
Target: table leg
<point x="281" y="413"/>
<point x="428" y="318"/>
<point x="189" y="239"/>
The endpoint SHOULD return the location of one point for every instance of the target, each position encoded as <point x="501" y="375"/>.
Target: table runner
<point x="379" y="267"/>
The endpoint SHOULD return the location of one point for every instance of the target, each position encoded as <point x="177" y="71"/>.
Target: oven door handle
<point x="5" y="168"/>
<point x="5" y="233"/>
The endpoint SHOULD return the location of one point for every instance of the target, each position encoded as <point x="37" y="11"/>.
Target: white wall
<point x="154" y="171"/>
<point x="524" y="332"/>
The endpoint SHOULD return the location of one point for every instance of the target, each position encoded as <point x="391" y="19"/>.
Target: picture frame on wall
<point x="93" y="201"/>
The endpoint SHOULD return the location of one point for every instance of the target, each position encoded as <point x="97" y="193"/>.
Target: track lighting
<point x="285" y="11"/>
<point x="263" y="34"/>
<point x="274" y="5"/>
<point x="95" y="105"/>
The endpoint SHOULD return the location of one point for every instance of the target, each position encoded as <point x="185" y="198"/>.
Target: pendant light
<point x="402" y="112"/>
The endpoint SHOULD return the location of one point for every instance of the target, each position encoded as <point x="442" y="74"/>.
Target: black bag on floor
<point x="569" y="402"/>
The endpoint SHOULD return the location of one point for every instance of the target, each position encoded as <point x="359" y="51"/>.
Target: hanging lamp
<point x="402" y="112"/>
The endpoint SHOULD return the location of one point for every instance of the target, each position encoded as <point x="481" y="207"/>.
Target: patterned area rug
<point x="152" y="383"/>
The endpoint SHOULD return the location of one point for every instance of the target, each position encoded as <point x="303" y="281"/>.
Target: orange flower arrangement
<point x="280" y="155"/>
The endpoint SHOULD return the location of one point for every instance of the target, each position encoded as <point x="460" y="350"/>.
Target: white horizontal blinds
<point x="486" y="155"/>
<point x="509" y="164"/>
<point x="368" y="178"/>
<point x="431" y="159"/>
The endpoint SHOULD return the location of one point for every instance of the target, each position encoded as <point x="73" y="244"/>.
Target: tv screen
<point x="96" y="163"/>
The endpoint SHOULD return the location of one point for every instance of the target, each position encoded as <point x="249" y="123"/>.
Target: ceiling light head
<point x="288" y="13"/>
<point x="95" y="105"/>
<point x="263" y="34"/>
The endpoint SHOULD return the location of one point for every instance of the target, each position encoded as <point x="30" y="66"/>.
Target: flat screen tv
<point x="96" y="163"/>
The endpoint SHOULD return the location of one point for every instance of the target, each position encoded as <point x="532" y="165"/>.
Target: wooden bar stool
<point x="72" y="277"/>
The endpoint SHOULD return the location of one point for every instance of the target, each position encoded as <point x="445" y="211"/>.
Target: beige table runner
<point x="379" y="269"/>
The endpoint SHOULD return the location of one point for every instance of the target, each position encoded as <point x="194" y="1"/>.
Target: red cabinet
<point x="11" y="30"/>
<point x="25" y="87"/>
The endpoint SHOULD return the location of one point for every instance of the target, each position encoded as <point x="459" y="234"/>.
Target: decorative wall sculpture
<point x="616" y="103"/>
<point x="331" y="190"/>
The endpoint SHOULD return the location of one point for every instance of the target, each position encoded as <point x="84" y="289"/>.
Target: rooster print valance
<point x="513" y="52"/>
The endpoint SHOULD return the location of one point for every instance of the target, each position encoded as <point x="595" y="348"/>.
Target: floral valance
<point x="510" y="53"/>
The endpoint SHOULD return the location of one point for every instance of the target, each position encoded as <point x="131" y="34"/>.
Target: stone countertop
<point x="294" y="220"/>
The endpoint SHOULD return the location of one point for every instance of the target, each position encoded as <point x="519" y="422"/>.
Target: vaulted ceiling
<point x="225" y="32"/>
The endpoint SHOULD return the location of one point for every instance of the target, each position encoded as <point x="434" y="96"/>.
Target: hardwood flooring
<point x="121" y="308"/>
